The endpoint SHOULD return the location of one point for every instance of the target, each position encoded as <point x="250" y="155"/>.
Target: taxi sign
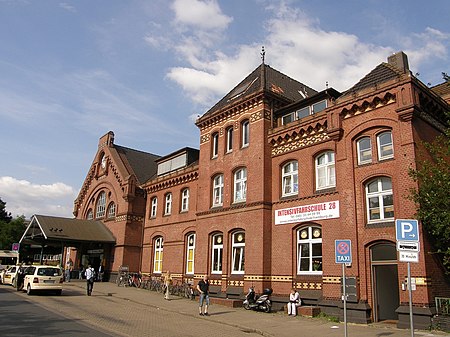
<point x="343" y="250"/>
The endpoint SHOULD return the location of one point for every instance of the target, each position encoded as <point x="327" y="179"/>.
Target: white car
<point x="43" y="278"/>
<point x="9" y="275"/>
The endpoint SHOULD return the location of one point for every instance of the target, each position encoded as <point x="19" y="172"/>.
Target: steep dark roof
<point x="51" y="228"/>
<point x="142" y="163"/>
<point x="381" y="73"/>
<point x="264" y="78"/>
<point x="442" y="90"/>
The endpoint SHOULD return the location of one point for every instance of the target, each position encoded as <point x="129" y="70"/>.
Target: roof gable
<point x="263" y="79"/>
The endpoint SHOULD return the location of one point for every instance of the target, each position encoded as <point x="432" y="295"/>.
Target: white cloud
<point x="296" y="45"/>
<point x="26" y="198"/>
<point x="67" y="7"/>
<point x="200" y="14"/>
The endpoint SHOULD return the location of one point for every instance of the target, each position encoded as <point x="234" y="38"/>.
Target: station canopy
<point x="50" y="230"/>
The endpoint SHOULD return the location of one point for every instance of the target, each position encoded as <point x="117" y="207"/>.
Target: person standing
<point x="294" y="302"/>
<point x="167" y="281"/>
<point x="90" y="276"/>
<point x="203" y="289"/>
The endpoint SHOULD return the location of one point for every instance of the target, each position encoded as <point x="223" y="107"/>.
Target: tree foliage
<point x="11" y="230"/>
<point x="432" y="196"/>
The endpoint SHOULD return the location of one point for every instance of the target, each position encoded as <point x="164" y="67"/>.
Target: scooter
<point x="262" y="303"/>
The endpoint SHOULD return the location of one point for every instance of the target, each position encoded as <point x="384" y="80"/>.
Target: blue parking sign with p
<point x="407" y="230"/>
<point x="343" y="250"/>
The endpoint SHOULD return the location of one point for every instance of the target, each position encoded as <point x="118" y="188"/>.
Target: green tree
<point x="11" y="230"/>
<point x="432" y="196"/>
<point x="4" y="215"/>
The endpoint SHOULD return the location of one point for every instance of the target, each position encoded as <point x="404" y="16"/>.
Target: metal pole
<point x="410" y="301"/>
<point x="345" y="299"/>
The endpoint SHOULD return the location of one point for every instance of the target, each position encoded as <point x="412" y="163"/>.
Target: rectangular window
<point x="238" y="251"/>
<point x="215" y="145"/>
<point x="190" y="254"/>
<point x="185" y="200"/>
<point x="303" y="112"/>
<point x="245" y="133"/>
<point x="154" y="208"/>
<point x="385" y="146"/>
<point x="168" y="208"/>
<point x="319" y="106"/>
<point x="288" y="118"/>
<point x="218" y="190"/>
<point x="217" y="249"/>
<point x="229" y="140"/>
<point x="364" y="148"/>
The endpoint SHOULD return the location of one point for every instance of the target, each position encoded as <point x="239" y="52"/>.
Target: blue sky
<point x="70" y="71"/>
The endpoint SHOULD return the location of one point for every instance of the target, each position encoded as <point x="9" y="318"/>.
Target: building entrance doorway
<point x="384" y="281"/>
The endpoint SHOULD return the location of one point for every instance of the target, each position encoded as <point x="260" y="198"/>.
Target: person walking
<point x="294" y="302"/>
<point x="90" y="276"/>
<point x="203" y="289"/>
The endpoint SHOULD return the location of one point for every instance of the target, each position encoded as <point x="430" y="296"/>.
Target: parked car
<point x="8" y="276"/>
<point x="43" y="278"/>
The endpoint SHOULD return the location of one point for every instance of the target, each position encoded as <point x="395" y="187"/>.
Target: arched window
<point x="325" y="171"/>
<point x="290" y="178"/>
<point x="240" y="185"/>
<point x="364" y="148"/>
<point x="190" y="253"/>
<point x="385" y="145"/>
<point x="90" y="214"/>
<point x="229" y="139"/>
<point x="309" y="250"/>
<point x="379" y="200"/>
<point x="185" y="200"/>
<point x="215" y="144"/>
<point x="238" y="253"/>
<point x="101" y="205"/>
<point x="218" y="190"/>
<point x="168" y="205"/>
<point x="216" y="254"/>
<point x="245" y="133"/>
<point x="111" y="210"/>
<point x="154" y="207"/>
<point x="158" y="255"/>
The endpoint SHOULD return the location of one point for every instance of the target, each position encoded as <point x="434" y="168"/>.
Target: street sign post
<point x="343" y="255"/>
<point x="407" y="235"/>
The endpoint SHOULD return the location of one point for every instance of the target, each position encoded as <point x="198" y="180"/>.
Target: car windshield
<point x="49" y="272"/>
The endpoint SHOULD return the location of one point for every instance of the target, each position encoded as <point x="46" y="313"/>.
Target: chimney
<point x="106" y="140"/>
<point x="400" y="61"/>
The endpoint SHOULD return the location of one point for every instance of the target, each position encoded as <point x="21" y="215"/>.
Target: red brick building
<point x="282" y="172"/>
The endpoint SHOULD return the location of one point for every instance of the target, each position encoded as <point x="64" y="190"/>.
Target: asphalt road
<point x="20" y="316"/>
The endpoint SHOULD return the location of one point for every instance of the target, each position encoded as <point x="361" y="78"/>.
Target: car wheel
<point x="59" y="292"/>
<point x="28" y="290"/>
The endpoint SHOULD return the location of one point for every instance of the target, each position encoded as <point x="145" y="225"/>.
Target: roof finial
<point x="263" y="54"/>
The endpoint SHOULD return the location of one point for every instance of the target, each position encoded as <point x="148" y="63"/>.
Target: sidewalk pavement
<point x="272" y="324"/>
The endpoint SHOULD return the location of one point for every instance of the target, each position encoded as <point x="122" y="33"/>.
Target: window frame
<point x="216" y="253"/>
<point x="329" y="169"/>
<point x="90" y="214"/>
<point x="380" y="146"/>
<point x="245" y="141"/>
<point x="100" y="208"/>
<point x="111" y="214"/>
<point x="190" y="253"/>
<point x="158" y="251"/>
<point x="380" y="195"/>
<point x="215" y="145"/>
<point x="168" y="204"/>
<point x="238" y="251"/>
<point x="218" y="190"/>
<point x="310" y="241"/>
<point x="361" y="151"/>
<point x="185" y="200"/>
<point x="291" y="176"/>
<point x="154" y="207"/>
<point x="229" y="142"/>
<point x="240" y="185"/>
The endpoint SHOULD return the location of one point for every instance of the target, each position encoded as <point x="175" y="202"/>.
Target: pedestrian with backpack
<point x="90" y="277"/>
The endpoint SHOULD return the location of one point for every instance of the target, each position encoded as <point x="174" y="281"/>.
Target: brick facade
<point x="398" y="105"/>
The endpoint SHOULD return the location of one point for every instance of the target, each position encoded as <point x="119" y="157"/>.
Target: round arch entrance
<point x="385" y="288"/>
